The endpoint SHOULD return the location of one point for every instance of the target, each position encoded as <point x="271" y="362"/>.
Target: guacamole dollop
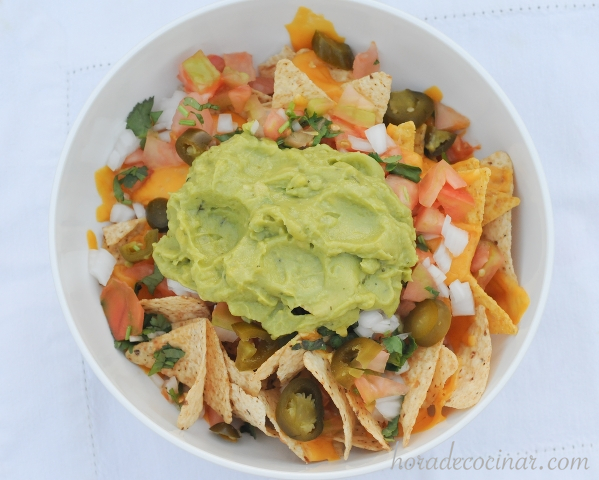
<point x="295" y="239"/>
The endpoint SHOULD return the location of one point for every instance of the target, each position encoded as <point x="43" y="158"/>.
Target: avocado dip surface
<point x="269" y="230"/>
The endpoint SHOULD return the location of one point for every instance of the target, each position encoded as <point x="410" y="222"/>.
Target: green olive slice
<point x="428" y="322"/>
<point x="437" y="141"/>
<point x="156" y="214"/>
<point x="408" y="105"/>
<point x="192" y="143"/>
<point x="226" y="431"/>
<point x="351" y="358"/>
<point x="300" y="411"/>
<point x="335" y="53"/>
<point x="255" y="346"/>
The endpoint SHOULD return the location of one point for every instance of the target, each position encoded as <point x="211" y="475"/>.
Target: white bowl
<point x="417" y="57"/>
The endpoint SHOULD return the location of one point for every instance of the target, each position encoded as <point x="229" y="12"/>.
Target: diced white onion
<point x="179" y="289"/>
<point x="295" y="126"/>
<point x="157" y="379"/>
<point x="139" y="209"/>
<point x="390" y="142"/>
<point x="172" y="383"/>
<point x="225" y="335"/>
<point x="426" y="262"/>
<point x="430" y="236"/>
<point x="165" y="136"/>
<point x="389" y="407"/>
<point x="255" y="126"/>
<point x="127" y="142"/>
<point x="439" y="278"/>
<point x="442" y="258"/>
<point x="386" y="325"/>
<point x="456" y="239"/>
<point x="359" y="144"/>
<point x="115" y="160"/>
<point x="403" y="336"/>
<point x="168" y="107"/>
<point x="363" y="331"/>
<point x="281" y="113"/>
<point x="404" y="368"/>
<point x="100" y="264"/>
<point x="121" y="213"/>
<point x="136" y="338"/>
<point x="369" y="317"/>
<point x="377" y="136"/>
<point x="462" y="301"/>
<point x="153" y="335"/>
<point x="225" y="123"/>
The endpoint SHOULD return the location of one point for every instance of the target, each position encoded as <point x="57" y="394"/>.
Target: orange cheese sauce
<point x="425" y="420"/>
<point x="458" y="331"/>
<point x="501" y="179"/>
<point x="510" y="296"/>
<point x="104" y="178"/>
<point x="92" y="241"/>
<point x="161" y="183"/>
<point x="435" y="93"/>
<point x="306" y="22"/>
<point x="319" y="73"/>
<point x="320" y="449"/>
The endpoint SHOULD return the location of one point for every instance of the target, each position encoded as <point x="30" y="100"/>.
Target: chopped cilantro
<point x="391" y="430"/>
<point x="433" y="291"/>
<point x="335" y="340"/>
<point x="444" y="157"/>
<point x="325" y="332"/>
<point x="407" y="171"/>
<point x="248" y="428"/>
<point x="174" y="397"/>
<point x="152" y="280"/>
<point x="376" y="62"/>
<point x="141" y="119"/>
<point x="399" y="351"/>
<point x="127" y="178"/>
<point x="200" y="118"/>
<point x="155" y="323"/>
<point x="310" y="345"/>
<point x="166" y="357"/>
<point x="225" y="136"/>
<point x="123" y="345"/>
<point x="421" y="243"/>
<point x="322" y="126"/>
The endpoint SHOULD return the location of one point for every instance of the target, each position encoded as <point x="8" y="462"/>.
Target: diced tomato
<point x="422" y="256"/>
<point x="456" y="202"/>
<point x="264" y="85"/>
<point x="159" y="153"/>
<point x="429" y="220"/>
<point x="460" y="150"/>
<point x="378" y="363"/>
<point x="239" y="96"/>
<point x="372" y="387"/>
<point x="233" y="78"/>
<point x="162" y="290"/>
<point x="433" y="182"/>
<point x="122" y="309"/>
<point x="487" y="260"/>
<point x="405" y="307"/>
<point x="415" y="290"/>
<point x="241" y="62"/>
<point x="405" y="189"/>
<point x="212" y="416"/>
<point x="198" y="74"/>
<point x="355" y="108"/>
<point x="446" y="118"/>
<point x="367" y="62"/>
<point x="392" y="151"/>
<point x="177" y="129"/>
<point x="140" y="270"/>
<point x="134" y="158"/>
<point x="217" y="61"/>
<point x="273" y="122"/>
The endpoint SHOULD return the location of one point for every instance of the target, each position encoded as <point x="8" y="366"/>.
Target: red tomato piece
<point x="177" y="129"/>
<point x="159" y="153"/>
<point x="140" y="270"/>
<point x="162" y="290"/>
<point x="122" y="309"/>
<point x="405" y="189"/>
<point x="239" y="96"/>
<point x="264" y="85"/>
<point x="378" y="363"/>
<point x="415" y="290"/>
<point x="217" y="61"/>
<point x="405" y="307"/>
<point x="446" y="118"/>
<point x="461" y="150"/>
<point x="135" y="157"/>
<point x="372" y="387"/>
<point x="433" y="182"/>
<point x="487" y="260"/>
<point x="429" y="220"/>
<point x="456" y="202"/>
<point x="367" y="62"/>
<point x="212" y="416"/>
<point x="241" y="62"/>
<point x="273" y="122"/>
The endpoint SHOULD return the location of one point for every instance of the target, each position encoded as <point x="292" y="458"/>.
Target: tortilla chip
<point x="291" y="363"/>
<point x="499" y="320"/>
<point x="245" y="380"/>
<point x="250" y="409"/>
<point x="496" y="204"/>
<point x="269" y="366"/>
<point x="446" y="367"/>
<point x="499" y="231"/>
<point x="376" y="87"/>
<point x="419" y="139"/>
<point x="362" y="439"/>
<point x="365" y="419"/>
<point x="177" y="308"/>
<point x="182" y="323"/>
<point x="321" y="369"/>
<point x="191" y="339"/>
<point x="119" y="234"/>
<point x="477" y="181"/>
<point x="218" y="386"/>
<point x="291" y="82"/>
<point x="263" y="98"/>
<point x="418" y="378"/>
<point x="403" y="134"/>
<point x="339" y="75"/>
<point x="268" y="67"/>
<point x="502" y="168"/>
<point x="270" y="398"/>
<point x="510" y="296"/>
<point x="475" y="364"/>
<point x="469" y="164"/>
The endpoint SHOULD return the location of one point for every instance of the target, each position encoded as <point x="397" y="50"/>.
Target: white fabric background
<point x="58" y="421"/>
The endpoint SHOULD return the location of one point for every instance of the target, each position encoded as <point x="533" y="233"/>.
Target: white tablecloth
<point x="58" y="421"/>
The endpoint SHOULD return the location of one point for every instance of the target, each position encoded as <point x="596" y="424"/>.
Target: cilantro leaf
<point x="421" y="243"/>
<point x="200" y="118"/>
<point x="123" y="345"/>
<point x="151" y="281"/>
<point x="174" y="397"/>
<point x="433" y="291"/>
<point x="127" y="178"/>
<point x="335" y="340"/>
<point x="155" y="323"/>
<point x="399" y="351"/>
<point x="376" y="156"/>
<point x="322" y="126"/>
<point x="166" y="357"/>
<point x="225" y="136"/>
<point x="407" y="171"/>
<point x="391" y="430"/>
<point x="248" y="428"/>
<point x="376" y="62"/>
<point x="325" y="332"/>
<point x="310" y="345"/>
<point x="141" y="119"/>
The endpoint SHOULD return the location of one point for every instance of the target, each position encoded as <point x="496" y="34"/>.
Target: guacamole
<point x="295" y="239"/>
